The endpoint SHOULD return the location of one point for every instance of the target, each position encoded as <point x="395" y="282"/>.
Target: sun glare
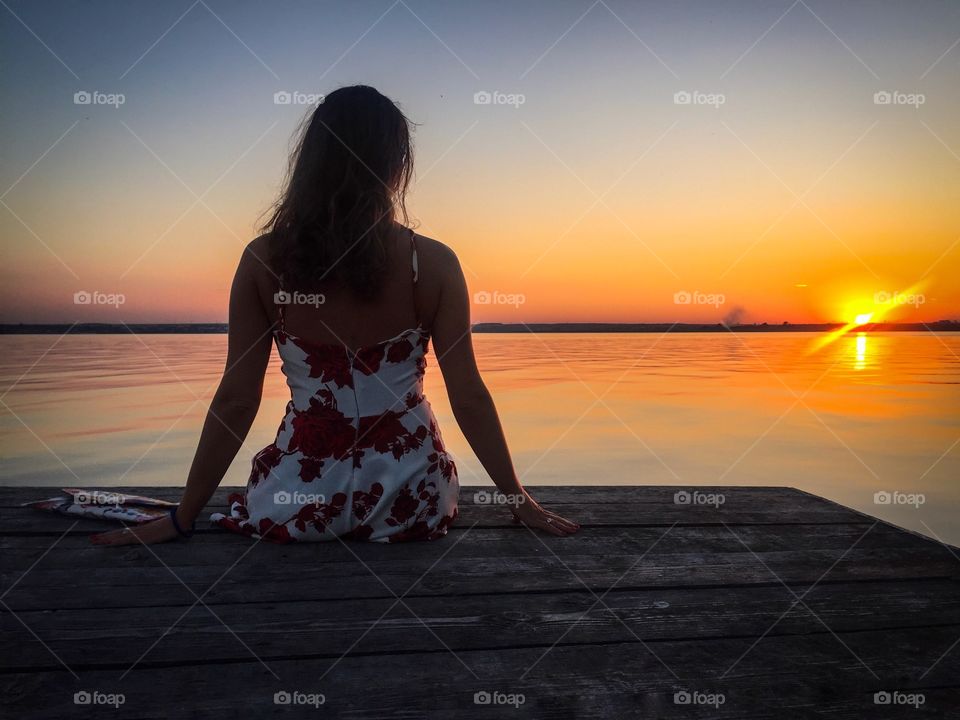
<point x="883" y="303"/>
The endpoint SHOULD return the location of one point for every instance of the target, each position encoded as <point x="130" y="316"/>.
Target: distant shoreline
<point x="221" y="328"/>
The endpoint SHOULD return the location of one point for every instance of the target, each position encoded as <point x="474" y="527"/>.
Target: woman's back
<point x="331" y="312"/>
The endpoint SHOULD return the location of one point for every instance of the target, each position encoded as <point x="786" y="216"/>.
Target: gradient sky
<point x="599" y="198"/>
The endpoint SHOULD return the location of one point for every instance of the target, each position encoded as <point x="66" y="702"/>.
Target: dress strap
<point x="280" y="299"/>
<point x="415" y="269"/>
<point x="413" y="257"/>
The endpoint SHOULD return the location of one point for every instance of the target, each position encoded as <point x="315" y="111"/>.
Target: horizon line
<point x="188" y="328"/>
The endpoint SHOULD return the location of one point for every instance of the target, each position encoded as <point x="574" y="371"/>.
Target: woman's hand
<point x="530" y="513"/>
<point x="155" y="531"/>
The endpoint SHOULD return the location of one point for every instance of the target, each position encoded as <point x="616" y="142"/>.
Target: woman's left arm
<point x="231" y="412"/>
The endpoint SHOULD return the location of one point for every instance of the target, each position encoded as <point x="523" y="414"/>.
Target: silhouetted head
<point x="347" y="179"/>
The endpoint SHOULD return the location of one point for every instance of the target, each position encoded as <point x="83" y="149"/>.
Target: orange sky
<point x="599" y="198"/>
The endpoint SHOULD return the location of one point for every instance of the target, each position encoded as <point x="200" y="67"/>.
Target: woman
<point x="358" y="454"/>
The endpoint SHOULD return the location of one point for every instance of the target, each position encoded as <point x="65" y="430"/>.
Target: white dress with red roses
<point x="358" y="454"/>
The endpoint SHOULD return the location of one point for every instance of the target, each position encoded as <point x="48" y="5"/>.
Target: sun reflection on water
<point x="861" y="350"/>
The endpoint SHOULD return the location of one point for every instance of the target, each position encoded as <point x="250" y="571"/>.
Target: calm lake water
<point x="867" y="414"/>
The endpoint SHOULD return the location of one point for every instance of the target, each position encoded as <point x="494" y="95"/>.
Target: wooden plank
<point x="738" y="497"/>
<point x="597" y="544"/>
<point x="18" y="521"/>
<point x="792" y="676"/>
<point x="91" y="638"/>
<point x="647" y="505"/>
<point x="652" y="506"/>
<point x="146" y="583"/>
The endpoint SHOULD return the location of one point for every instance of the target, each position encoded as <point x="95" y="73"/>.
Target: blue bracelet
<point x="176" y="525"/>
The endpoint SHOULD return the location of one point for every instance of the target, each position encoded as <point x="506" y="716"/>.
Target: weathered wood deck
<point x="785" y="604"/>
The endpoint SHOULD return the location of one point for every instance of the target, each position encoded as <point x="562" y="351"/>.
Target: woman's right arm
<point x="231" y="412"/>
<point x="471" y="402"/>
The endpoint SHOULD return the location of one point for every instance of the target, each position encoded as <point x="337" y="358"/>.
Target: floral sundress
<point x="358" y="454"/>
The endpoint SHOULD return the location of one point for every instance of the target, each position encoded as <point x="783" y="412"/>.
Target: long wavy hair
<point x="346" y="184"/>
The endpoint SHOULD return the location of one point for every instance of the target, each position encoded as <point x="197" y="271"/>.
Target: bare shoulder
<point x="255" y="261"/>
<point x="436" y="258"/>
<point x="258" y="250"/>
